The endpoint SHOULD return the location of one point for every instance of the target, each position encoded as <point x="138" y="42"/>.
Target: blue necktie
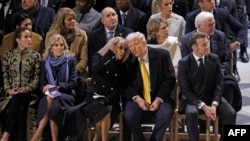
<point x="110" y="35"/>
<point x="123" y="18"/>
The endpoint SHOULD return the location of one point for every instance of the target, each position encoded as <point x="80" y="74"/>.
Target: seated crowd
<point x="130" y="59"/>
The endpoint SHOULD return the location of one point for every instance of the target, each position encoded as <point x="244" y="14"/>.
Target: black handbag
<point x="237" y="102"/>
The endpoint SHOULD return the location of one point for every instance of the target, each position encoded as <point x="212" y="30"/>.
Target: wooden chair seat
<point x="179" y="122"/>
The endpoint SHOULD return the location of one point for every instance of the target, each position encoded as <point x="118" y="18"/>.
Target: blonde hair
<point x="153" y="26"/>
<point x="51" y="42"/>
<point x="122" y="42"/>
<point x="154" y="7"/>
<point x="58" y="24"/>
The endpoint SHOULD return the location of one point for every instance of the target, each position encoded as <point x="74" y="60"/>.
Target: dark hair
<point x="91" y="3"/>
<point x="193" y="38"/>
<point x="18" y="34"/>
<point x="20" y="18"/>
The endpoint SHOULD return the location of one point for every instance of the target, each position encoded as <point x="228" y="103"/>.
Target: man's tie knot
<point x="201" y="65"/>
<point x="110" y="35"/>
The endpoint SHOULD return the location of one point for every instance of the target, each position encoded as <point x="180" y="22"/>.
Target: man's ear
<point x="193" y="47"/>
<point x="200" y="4"/>
<point x="102" y="21"/>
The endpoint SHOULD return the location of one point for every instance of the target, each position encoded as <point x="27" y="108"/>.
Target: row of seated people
<point x="97" y="44"/>
<point x="129" y="8"/>
<point x="113" y="68"/>
<point x="26" y="75"/>
<point x="134" y="19"/>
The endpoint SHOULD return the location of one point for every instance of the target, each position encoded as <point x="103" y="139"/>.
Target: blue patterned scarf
<point x="61" y="61"/>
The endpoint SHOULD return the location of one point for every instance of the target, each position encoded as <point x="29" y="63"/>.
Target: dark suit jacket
<point x="181" y="7"/>
<point x="162" y="76"/>
<point x="231" y="6"/>
<point x="143" y="5"/>
<point x="97" y="39"/>
<point x="224" y="21"/>
<point x="69" y="3"/>
<point x="218" y="45"/>
<point x="57" y="4"/>
<point x="14" y="7"/>
<point x="135" y="20"/>
<point x="191" y="84"/>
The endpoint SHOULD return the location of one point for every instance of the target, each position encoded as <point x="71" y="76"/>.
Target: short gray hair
<point x="201" y="17"/>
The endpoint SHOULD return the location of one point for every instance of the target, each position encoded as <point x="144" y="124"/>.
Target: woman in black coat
<point x="109" y="78"/>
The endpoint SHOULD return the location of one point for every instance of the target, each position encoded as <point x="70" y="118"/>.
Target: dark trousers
<point x="16" y="115"/>
<point x="225" y="112"/>
<point x="133" y="116"/>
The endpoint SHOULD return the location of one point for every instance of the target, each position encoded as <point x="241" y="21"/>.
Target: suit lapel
<point x="139" y="81"/>
<point x="213" y="45"/>
<point x="102" y="35"/>
<point x="118" y="31"/>
<point x="153" y="66"/>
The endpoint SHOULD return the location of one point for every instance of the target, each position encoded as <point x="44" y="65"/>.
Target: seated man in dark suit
<point x="152" y="81"/>
<point x="224" y="22"/>
<point x="99" y="37"/>
<point x="43" y="17"/>
<point x="131" y="17"/>
<point x="201" y="83"/>
<point x="205" y="23"/>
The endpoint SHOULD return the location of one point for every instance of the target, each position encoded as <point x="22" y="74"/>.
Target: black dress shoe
<point x="244" y="57"/>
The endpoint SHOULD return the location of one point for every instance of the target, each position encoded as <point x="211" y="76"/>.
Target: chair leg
<point x="216" y="129"/>
<point x="207" y="130"/>
<point x="121" y="126"/>
<point x="171" y="130"/>
<point x="88" y="131"/>
<point x="176" y="127"/>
